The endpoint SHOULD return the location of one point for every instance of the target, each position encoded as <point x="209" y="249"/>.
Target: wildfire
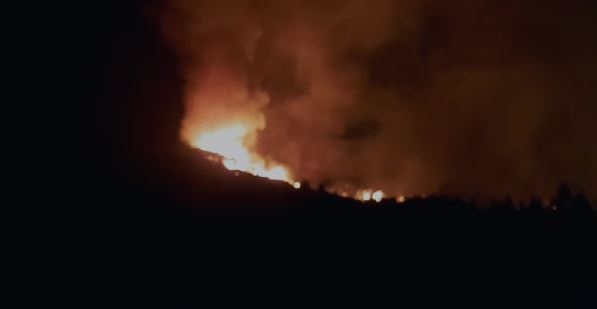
<point x="230" y="143"/>
<point x="233" y="147"/>
<point x="368" y="195"/>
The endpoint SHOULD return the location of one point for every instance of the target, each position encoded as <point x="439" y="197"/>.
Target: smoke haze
<point x="476" y="98"/>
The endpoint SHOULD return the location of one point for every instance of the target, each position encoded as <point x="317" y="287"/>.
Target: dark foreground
<point x="155" y="241"/>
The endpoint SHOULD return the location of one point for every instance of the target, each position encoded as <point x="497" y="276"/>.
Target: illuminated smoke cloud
<point x="478" y="98"/>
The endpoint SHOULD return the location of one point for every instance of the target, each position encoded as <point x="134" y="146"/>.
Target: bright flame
<point x="368" y="195"/>
<point x="229" y="143"/>
<point x="377" y="196"/>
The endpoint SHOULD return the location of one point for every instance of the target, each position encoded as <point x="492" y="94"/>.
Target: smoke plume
<point x="472" y="97"/>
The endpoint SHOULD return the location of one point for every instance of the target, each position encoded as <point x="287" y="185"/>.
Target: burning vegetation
<point x="378" y="99"/>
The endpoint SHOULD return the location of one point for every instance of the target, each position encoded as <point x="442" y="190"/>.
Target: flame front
<point x="230" y="143"/>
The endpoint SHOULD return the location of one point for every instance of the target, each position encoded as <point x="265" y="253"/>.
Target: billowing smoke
<point x="470" y="97"/>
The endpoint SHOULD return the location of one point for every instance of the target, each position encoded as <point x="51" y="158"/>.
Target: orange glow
<point x="232" y="146"/>
<point x="230" y="143"/>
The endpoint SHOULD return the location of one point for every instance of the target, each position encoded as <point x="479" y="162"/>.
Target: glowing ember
<point x="368" y="195"/>
<point x="229" y="143"/>
<point x="377" y="196"/>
